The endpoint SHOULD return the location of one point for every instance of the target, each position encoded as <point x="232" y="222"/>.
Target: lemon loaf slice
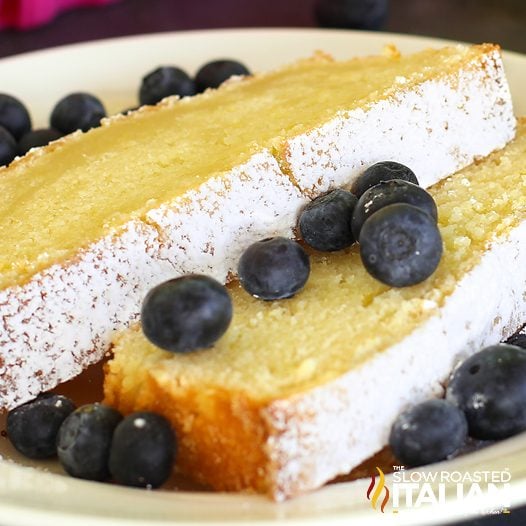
<point x="90" y="223"/>
<point x="301" y="390"/>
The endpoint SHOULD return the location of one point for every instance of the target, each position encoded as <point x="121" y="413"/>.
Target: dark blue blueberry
<point x="428" y="432"/>
<point x="490" y="387"/>
<point x="325" y="223"/>
<point x="388" y="193"/>
<point x="273" y="269"/>
<point x="351" y="14"/>
<point x="213" y="74"/>
<point x="143" y="450"/>
<point x="400" y="245"/>
<point x="382" y="171"/>
<point x="36" y="138"/>
<point x="33" y="427"/>
<point x="84" y="441"/>
<point x="518" y="339"/>
<point x="7" y="147"/>
<point x="77" y="111"/>
<point x="163" y="82"/>
<point x="14" y="116"/>
<point x="187" y="313"/>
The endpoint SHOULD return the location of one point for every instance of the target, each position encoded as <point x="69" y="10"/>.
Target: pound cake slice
<point x="90" y="223"/>
<point x="301" y="390"/>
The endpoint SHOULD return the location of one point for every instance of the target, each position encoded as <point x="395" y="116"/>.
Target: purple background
<point x="501" y="21"/>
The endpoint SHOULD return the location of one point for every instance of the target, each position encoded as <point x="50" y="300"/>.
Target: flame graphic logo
<point x="378" y="491"/>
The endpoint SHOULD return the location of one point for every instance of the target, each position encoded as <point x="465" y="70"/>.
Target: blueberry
<point x="400" y="245"/>
<point x="84" y="441"/>
<point x="186" y="313"/>
<point x="382" y="171"/>
<point x="274" y="268"/>
<point x="14" y="116"/>
<point x="33" y="427"/>
<point x="325" y="223"/>
<point x="77" y="111"/>
<point x="213" y="74"/>
<point x="7" y="147"/>
<point x="36" y="138"/>
<point x="518" y="339"/>
<point x="388" y="193"/>
<point x="142" y="451"/>
<point x="490" y="387"/>
<point x="353" y="14"/>
<point x="165" y="81"/>
<point x="428" y="432"/>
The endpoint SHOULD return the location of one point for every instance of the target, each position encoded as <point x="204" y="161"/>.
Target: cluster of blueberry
<point x="394" y="219"/>
<point x="83" y="111"/>
<point x="170" y="80"/>
<point x="95" y="442"/>
<point x="15" y="124"/>
<point x="484" y="400"/>
<point x="77" y="111"/>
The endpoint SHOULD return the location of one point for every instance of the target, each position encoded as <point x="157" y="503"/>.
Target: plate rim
<point x="301" y="31"/>
<point x="19" y="514"/>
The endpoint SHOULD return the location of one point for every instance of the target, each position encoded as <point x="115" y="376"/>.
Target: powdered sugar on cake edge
<point x="331" y="429"/>
<point x="435" y="128"/>
<point x="63" y="319"/>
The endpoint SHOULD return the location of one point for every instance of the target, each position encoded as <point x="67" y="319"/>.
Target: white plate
<point x="113" y="69"/>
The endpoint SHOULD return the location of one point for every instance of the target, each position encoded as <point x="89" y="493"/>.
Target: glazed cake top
<point x="70" y="194"/>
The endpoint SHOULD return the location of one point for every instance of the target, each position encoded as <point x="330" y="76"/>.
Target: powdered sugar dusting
<point x="426" y="128"/>
<point x="329" y="430"/>
<point x="479" y="401"/>
<point x="65" y="317"/>
<point x="139" y="423"/>
<point x="208" y="229"/>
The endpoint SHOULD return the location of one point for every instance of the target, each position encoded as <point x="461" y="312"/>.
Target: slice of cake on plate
<point x="90" y="223"/>
<point x="301" y="390"/>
